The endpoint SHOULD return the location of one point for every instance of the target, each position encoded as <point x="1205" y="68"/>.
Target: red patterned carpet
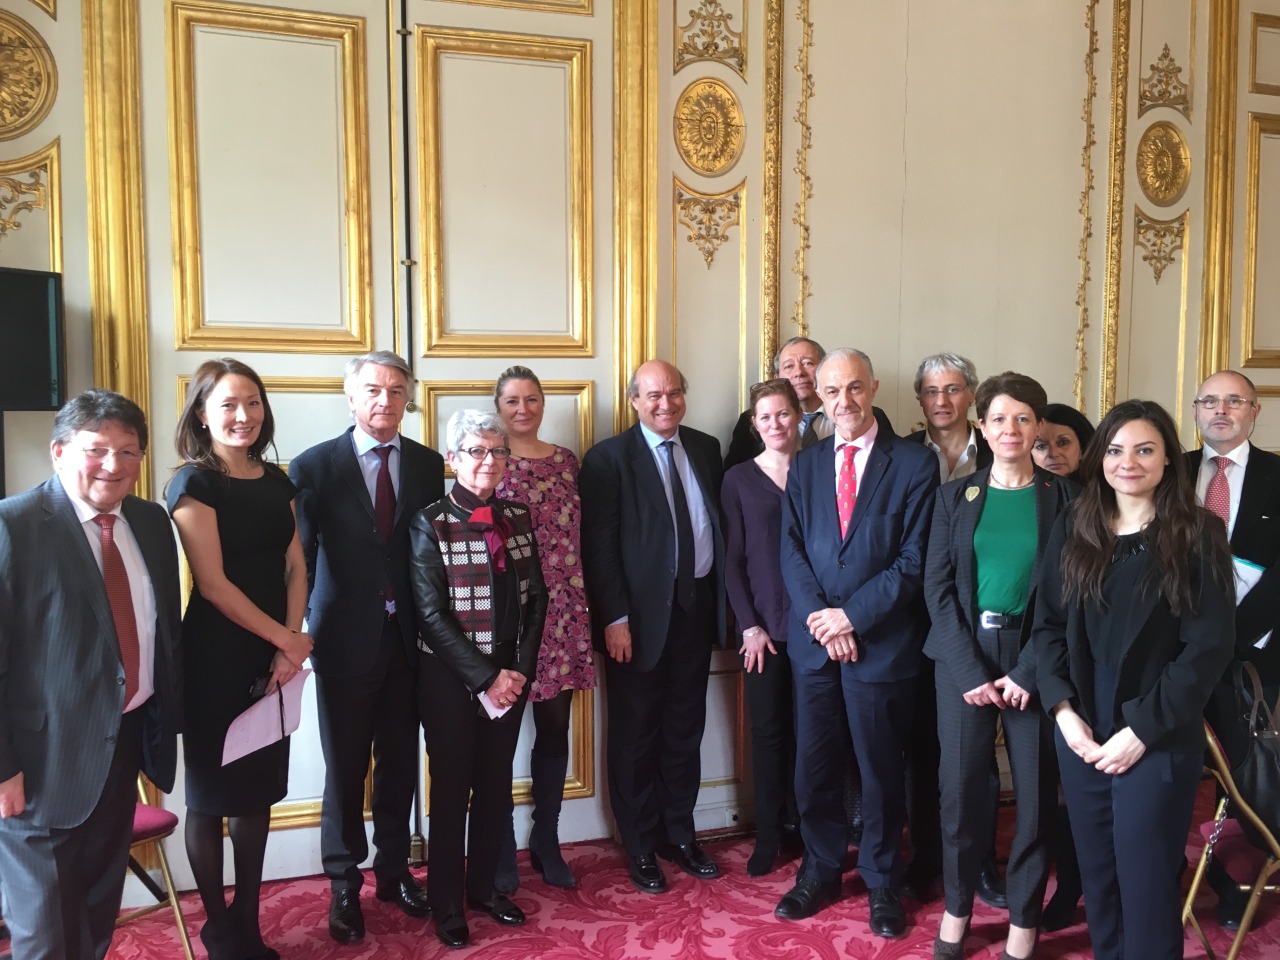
<point x="606" y="919"/>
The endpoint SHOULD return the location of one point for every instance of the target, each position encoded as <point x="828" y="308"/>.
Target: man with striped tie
<point x="89" y="678"/>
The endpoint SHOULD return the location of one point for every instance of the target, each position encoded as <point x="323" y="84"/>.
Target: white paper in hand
<point x="492" y="709"/>
<point x="260" y="726"/>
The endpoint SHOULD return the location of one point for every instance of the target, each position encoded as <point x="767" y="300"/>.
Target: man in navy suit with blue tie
<point x="855" y="527"/>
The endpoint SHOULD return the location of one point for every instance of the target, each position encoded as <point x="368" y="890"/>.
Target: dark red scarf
<point x="488" y="520"/>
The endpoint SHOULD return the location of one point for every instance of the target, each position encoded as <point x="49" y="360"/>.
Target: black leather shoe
<point x="452" y="930"/>
<point x="406" y="894"/>
<point x="690" y="858"/>
<point x="888" y="919"/>
<point x="991" y="885"/>
<point x="500" y="908"/>
<point x="806" y="898"/>
<point x="346" y="922"/>
<point x="646" y="875"/>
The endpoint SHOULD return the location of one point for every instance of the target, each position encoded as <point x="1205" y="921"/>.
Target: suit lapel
<point x="968" y="513"/>
<point x="408" y="475"/>
<point x="1253" y="493"/>
<point x="347" y="467"/>
<point x="878" y="463"/>
<point x="151" y="550"/>
<point x="648" y="480"/>
<point x="1046" y="499"/>
<point x="65" y="530"/>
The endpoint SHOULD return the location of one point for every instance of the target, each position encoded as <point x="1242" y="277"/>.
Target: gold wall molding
<point x="708" y="216"/>
<point x="709" y="35"/>
<point x="1163" y="86"/>
<point x="433" y="43"/>
<point x="1164" y="163"/>
<point x="1161" y="239"/>
<point x="540" y="6"/>
<point x="28" y="77"/>
<point x="1258" y="22"/>
<point x="741" y="734"/>
<point x="1219" y="187"/>
<point x="771" y="186"/>
<point x="1086" y="193"/>
<point x="347" y="35"/>
<point x="635" y="195"/>
<point x="1251" y="355"/>
<point x="800" y="217"/>
<point x="31" y="183"/>
<point x="1115" y="203"/>
<point x="48" y="6"/>
<point x="580" y="782"/>
<point x="710" y="129"/>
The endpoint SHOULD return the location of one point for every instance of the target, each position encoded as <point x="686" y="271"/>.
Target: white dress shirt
<point x="966" y="466"/>
<point x="864" y="444"/>
<point x="704" y="547"/>
<point x="1235" y="478"/>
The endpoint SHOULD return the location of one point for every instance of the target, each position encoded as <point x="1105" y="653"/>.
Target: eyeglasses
<point x="1231" y="403"/>
<point x="479" y="453"/>
<point x="127" y="457"/>
<point x="951" y="390"/>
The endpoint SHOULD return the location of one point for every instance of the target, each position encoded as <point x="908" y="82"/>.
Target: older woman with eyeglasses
<point x="481" y="603"/>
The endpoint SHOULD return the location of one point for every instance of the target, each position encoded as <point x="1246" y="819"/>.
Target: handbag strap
<point x="1262" y="716"/>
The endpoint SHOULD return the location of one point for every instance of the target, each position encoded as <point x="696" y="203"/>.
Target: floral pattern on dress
<point x="548" y="486"/>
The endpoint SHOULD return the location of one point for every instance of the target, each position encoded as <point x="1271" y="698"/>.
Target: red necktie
<point x="1217" y="499"/>
<point x="846" y="488"/>
<point x="120" y="599"/>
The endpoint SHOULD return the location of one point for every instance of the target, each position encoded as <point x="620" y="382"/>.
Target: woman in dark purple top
<point x="752" y="501"/>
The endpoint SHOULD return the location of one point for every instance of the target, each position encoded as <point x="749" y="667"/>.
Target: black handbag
<point x="1257" y="775"/>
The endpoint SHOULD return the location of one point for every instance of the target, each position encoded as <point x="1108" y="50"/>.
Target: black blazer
<point x="1162" y="688"/>
<point x="629" y="539"/>
<point x="1256" y="538"/>
<point x="982" y="458"/>
<point x="950" y="579"/>
<point x="348" y="565"/>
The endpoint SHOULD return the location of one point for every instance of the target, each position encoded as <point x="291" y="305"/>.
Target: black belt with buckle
<point x="987" y="620"/>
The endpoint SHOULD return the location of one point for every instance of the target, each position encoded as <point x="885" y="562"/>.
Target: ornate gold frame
<point x="771" y="203"/>
<point x="431" y="44"/>
<point x="1259" y="21"/>
<point x="740" y="735"/>
<point x="540" y="6"/>
<point x="48" y="6"/>
<point x="1260" y="124"/>
<point x="1086" y="192"/>
<point x="801" y="215"/>
<point x="44" y="66"/>
<point x="1115" y="204"/>
<point x="348" y="33"/>
<point x="48" y="159"/>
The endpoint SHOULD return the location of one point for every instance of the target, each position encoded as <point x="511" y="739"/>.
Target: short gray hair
<point x="777" y="357"/>
<point x="845" y="353"/>
<point x="947" y="363"/>
<point x="465" y="423"/>
<point x="382" y="358"/>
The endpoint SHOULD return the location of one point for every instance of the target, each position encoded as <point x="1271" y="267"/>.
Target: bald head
<point x="1226" y="408"/>
<point x="657" y="392"/>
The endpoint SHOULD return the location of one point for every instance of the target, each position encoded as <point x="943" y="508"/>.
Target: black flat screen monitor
<point x="33" y="363"/>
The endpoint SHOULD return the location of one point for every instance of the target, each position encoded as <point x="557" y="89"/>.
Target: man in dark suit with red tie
<point x="1240" y="483"/>
<point x="357" y="494"/>
<point x="90" y="688"/>
<point x="855" y="524"/>
<point x="652" y="544"/>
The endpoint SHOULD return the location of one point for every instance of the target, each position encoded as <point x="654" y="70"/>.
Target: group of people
<point x="898" y="599"/>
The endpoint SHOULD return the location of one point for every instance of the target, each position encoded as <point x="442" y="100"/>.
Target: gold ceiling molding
<point x="31" y="183"/>
<point x="771" y="187"/>
<point x="710" y="130"/>
<point x="540" y="6"/>
<point x="801" y="215"/>
<point x="1115" y="203"/>
<point x="1086" y="231"/>
<point x="1259" y="22"/>
<point x="1260" y="125"/>
<point x="1161" y="239"/>
<point x="709" y="35"/>
<point x="708" y="216"/>
<point x="1163" y="87"/>
<point x="28" y="77"/>
<point x="1219" y="187"/>
<point x="1164" y="163"/>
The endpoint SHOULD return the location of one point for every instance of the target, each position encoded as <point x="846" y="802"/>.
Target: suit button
<point x="119" y="681"/>
<point x="111" y="739"/>
<point x="835" y="599"/>
<point x="841" y="564"/>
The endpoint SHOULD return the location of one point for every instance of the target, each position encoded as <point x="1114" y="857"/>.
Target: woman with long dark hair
<point x="241" y="635"/>
<point x="1064" y="434"/>
<point x="1134" y="627"/>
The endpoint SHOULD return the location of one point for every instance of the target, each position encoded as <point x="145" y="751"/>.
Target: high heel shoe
<point x="763" y="856"/>
<point x="1006" y="955"/>
<point x="946" y="950"/>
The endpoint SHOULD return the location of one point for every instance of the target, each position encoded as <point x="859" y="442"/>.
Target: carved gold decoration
<point x="1164" y="163"/>
<point x="433" y="43"/>
<point x="709" y="35"/>
<point x="28" y="77"/>
<point x="801" y="217"/>
<point x="1260" y="125"/>
<point x="48" y="6"/>
<point x="541" y="6"/>
<point x="1161" y="239"/>
<point x="1259" y="22"/>
<point x="346" y="35"/>
<point x="1219" y="187"/>
<point x="1163" y="87"/>
<point x="1086" y="231"/>
<point x="12" y="202"/>
<point x="708" y="216"/>
<point x="1115" y="203"/>
<point x="709" y="127"/>
<point x="30" y="183"/>
<point x="771" y="204"/>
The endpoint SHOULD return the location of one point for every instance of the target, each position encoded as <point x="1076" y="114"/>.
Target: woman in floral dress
<point x="544" y="476"/>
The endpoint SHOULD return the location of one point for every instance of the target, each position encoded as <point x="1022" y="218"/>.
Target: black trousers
<point x="470" y="759"/>
<point x="656" y="720"/>
<point x="771" y="702"/>
<point x="375" y="711"/>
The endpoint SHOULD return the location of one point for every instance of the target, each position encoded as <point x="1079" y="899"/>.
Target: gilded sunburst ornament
<point x="1164" y="163"/>
<point x="709" y="129"/>
<point x="28" y="77"/>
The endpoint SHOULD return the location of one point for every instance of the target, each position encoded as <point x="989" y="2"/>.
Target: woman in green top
<point x="989" y="531"/>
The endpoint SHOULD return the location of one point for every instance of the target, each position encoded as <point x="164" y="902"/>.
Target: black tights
<point x="551" y="725"/>
<point x="249" y="847"/>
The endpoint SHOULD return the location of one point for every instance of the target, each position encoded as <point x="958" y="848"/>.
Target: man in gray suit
<point x="89" y="678"/>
